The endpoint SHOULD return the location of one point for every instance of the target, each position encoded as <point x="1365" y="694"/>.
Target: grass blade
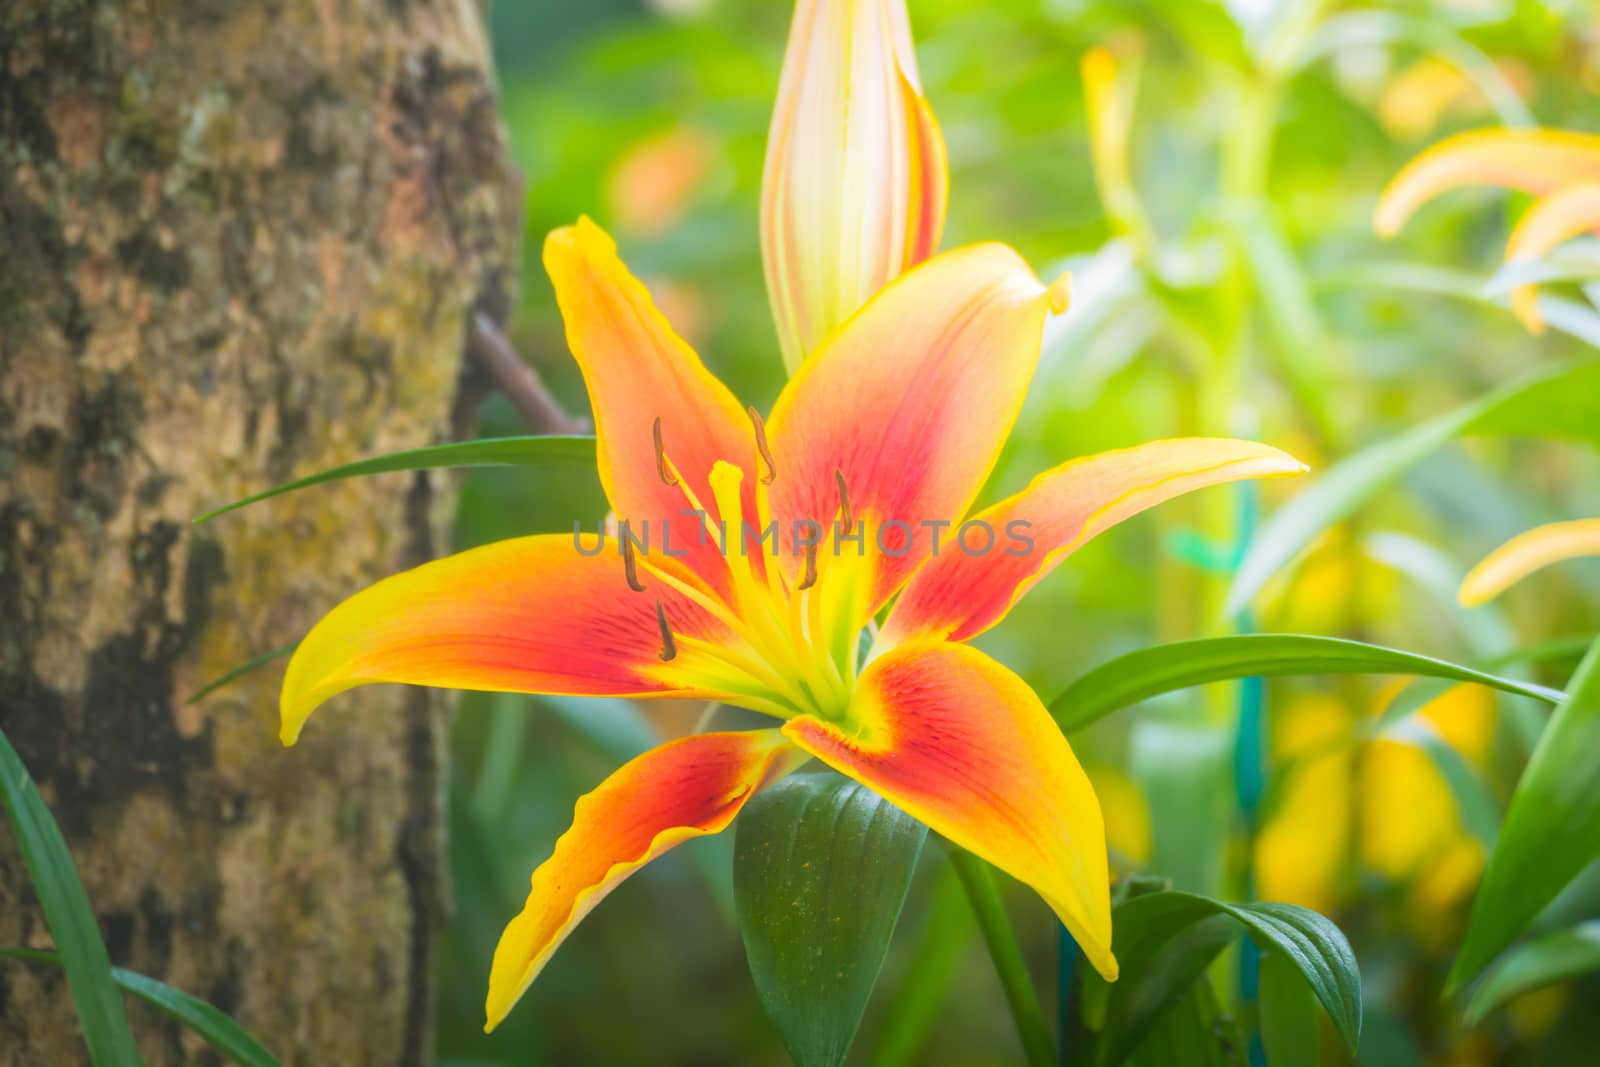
<point x="225" y="1035"/>
<point x="1551" y="829"/>
<point x="565" y="453"/>
<point x="66" y="910"/>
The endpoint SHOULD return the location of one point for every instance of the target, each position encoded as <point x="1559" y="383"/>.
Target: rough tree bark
<point x="242" y="240"/>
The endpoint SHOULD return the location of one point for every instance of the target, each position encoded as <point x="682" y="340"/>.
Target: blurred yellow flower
<point x="1561" y="168"/>
<point x="1431" y="89"/>
<point x="1385" y="805"/>
<point x="1410" y="824"/>
<point x="1303" y="850"/>
<point x="1407" y="814"/>
<point x="1110" y="86"/>
<point x="1415" y="100"/>
<point x="1127" y="815"/>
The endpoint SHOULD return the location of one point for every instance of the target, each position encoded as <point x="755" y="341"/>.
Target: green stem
<point x="984" y="897"/>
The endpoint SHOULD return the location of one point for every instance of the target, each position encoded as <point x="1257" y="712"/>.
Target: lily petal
<point x="1528" y="552"/>
<point x="531" y="615"/>
<point x="909" y="404"/>
<point x="637" y="371"/>
<point x="962" y="591"/>
<point x="684" y="789"/>
<point x="1565" y="213"/>
<point x="956" y="740"/>
<point x="1533" y="161"/>
<point x="855" y="183"/>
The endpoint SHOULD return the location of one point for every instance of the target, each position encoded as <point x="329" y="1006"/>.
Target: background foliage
<point x="1240" y="290"/>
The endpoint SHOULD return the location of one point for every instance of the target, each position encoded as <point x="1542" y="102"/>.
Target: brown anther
<point x="630" y="568"/>
<point x="661" y="454"/>
<point x="844" y="502"/>
<point x="810" y="578"/>
<point x="669" y="648"/>
<point x="761" y="446"/>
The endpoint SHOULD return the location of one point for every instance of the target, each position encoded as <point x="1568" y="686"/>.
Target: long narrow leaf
<point x="225" y="1035"/>
<point x="66" y="910"/>
<point x="1560" y="403"/>
<point x="240" y="671"/>
<point x="1540" y="962"/>
<point x="1150" y="672"/>
<point x="1551" y="830"/>
<point x="555" y="453"/>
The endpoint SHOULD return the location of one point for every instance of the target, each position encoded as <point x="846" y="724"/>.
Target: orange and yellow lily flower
<point x="778" y="542"/>
<point x="1559" y="167"/>
<point x="855" y="185"/>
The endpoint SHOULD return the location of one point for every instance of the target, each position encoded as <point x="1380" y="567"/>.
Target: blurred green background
<point x="1243" y="291"/>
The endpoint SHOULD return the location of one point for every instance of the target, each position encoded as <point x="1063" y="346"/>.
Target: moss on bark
<point x="242" y="241"/>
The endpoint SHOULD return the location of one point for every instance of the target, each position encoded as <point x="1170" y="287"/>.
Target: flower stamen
<point x="669" y="649"/>
<point x="630" y="566"/>
<point x="661" y="454"/>
<point x="810" y="577"/>
<point x="844" y="502"/>
<point x="761" y="446"/>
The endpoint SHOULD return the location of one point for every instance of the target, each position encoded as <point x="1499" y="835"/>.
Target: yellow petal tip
<point x="1387" y="223"/>
<point x="1098" y="955"/>
<point x="290" y="723"/>
<point x="1061" y="294"/>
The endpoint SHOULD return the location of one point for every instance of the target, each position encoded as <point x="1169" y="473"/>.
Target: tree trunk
<point x="241" y="242"/>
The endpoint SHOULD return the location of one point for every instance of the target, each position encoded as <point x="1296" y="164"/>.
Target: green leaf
<point x="1185" y="772"/>
<point x="559" y="454"/>
<point x="821" y="866"/>
<point x="1150" y="672"/>
<point x="225" y="1035"/>
<point x="1165" y="941"/>
<point x="1540" y="962"/>
<point x="66" y="910"/>
<point x="1578" y="261"/>
<point x="1567" y="647"/>
<point x="1560" y="403"/>
<point x="1566" y="316"/>
<point x="1289" y="1027"/>
<point x="1484" y="629"/>
<point x="240" y="671"/>
<point x="1138" y="1004"/>
<point x="1551" y="829"/>
<point x="1194" y="1032"/>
